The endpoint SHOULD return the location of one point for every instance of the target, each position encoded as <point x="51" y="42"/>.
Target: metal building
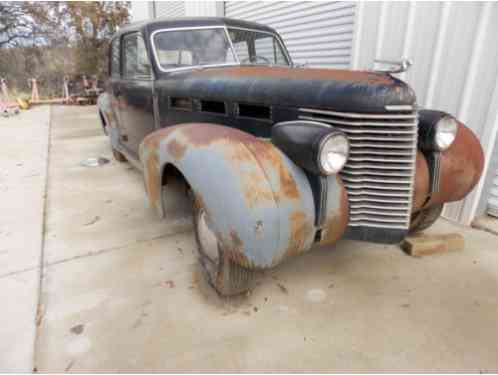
<point x="453" y="46"/>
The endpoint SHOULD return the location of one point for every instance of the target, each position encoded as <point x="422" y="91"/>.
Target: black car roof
<point x="166" y="23"/>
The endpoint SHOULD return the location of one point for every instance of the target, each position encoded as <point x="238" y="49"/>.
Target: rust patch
<point x="302" y="74"/>
<point x="204" y="134"/>
<point x="465" y="158"/>
<point x="299" y="227"/>
<point x="176" y="149"/>
<point x="236" y="241"/>
<point x="288" y="188"/>
<point x="255" y="194"/>
<point x="234" y="250"/>
<point x="152" y="141"/>
<point x="271" y="160"/>
<point x="461" y="167"/>
<point x="336" y="225"/>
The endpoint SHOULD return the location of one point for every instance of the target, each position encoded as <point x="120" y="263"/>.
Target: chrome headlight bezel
<point x="445" y="132"/>
<point x="333" y="153"/>
<point x="437" y="130"/>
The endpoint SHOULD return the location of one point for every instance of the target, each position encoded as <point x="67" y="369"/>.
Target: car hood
<point x="340" y="90"/>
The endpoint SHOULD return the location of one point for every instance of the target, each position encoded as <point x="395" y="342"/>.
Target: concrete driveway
<point x="121" y="289"/>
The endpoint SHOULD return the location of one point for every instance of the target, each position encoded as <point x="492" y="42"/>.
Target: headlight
<point x="445" y="133"/>
<point x="333" y="153"/>
<point x="437" y="130"/>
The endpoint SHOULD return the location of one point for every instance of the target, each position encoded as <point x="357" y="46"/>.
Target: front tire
<point x="425" y="218"/>
<point x="226" y="276"/>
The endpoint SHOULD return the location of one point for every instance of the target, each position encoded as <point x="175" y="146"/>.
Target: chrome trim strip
<point x="302" y="122"/>
<point x="361" y="211"/>
<point x="375" y="225"/>
<point x="359" y="115"/>
<point x="399" y="108"/>
<point x="357" y="123"/>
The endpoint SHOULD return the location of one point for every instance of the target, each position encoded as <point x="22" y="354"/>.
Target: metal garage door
<point x="493" y="198"/>
<point x="169" y="9"/>
<point x="319" y="33"/>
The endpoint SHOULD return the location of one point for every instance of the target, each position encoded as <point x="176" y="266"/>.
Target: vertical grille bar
<point x="379" y="173"/>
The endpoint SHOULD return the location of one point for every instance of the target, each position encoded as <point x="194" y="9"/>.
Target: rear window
<point x="136" y="62"/>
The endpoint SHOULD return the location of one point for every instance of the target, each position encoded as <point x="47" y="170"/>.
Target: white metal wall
<point x="454" y="48"/>
<point x="493" y="196"/>
<point x="317" y="33"/>
<point x="139" y="11"/>
<point x="171" y="9"/>
<point x="204" y="8"/>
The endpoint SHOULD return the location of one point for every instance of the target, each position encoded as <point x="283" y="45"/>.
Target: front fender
<point x="258" y="201"/>
<point x="460" y="170"/>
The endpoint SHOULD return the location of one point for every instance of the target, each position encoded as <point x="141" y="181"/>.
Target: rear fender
<point x="258" y="202"/>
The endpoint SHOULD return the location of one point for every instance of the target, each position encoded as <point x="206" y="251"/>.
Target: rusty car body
<point x="275" y="158"/>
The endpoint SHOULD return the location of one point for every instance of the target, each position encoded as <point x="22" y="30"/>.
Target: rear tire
<point x="425" y="218"/>
<point x="118" y="155"/>
<point x="103" y="123"/>
<point x="226" y="276"/>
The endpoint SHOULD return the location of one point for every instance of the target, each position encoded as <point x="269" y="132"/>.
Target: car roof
<point x="150" y="26"/>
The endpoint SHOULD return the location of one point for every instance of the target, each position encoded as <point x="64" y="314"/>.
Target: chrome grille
<point x="380" y="169"/>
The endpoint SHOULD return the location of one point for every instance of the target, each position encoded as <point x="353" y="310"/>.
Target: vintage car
<point x="275" y="158"/>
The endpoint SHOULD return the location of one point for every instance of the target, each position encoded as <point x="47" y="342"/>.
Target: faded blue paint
<point x="241" y="191"/>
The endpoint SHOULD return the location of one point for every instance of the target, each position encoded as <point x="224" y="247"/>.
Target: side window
<point x="143" y="64"/>
<point x="136" y="62"/>
<point x="269" y="49"/>
<point x="114" y="55"/>
<point x="242" y="50"/>
<point x="264" y="47"/>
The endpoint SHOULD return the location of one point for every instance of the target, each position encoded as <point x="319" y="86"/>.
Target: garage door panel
<point x="317" y="33"/>
<point x="170" y="9"/>
<point x="307" y="12"/>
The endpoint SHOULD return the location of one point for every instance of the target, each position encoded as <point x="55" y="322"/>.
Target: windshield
<point x="254" y="47"/>
<point x="211" y="47"/>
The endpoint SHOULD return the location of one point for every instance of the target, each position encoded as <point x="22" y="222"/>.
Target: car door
<point x="137" y="92"/>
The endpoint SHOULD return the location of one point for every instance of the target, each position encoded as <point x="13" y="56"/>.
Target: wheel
<point x="226" y="276"/>
<point x="425" y="218"/>
<point x="103" y="122"/>
<point x="118" y="155"/>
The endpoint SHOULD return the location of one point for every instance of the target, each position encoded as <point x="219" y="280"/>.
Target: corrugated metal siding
<point x="492" y="188"/>
<point x="317" y="33"/>
<point x="170" y="9"/>
<point x="454" y="48"/>
<point x="204" y="8"/>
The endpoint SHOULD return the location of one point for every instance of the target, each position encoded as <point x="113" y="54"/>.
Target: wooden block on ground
<point x="427" y="244"/>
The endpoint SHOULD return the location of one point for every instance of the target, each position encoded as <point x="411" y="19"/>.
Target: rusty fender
<point x="259" y="203"/>
<point x="461" y="167"/>
<point x="336" y="211"/>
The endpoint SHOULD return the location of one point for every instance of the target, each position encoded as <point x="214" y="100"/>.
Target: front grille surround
<point x="380" y="171"/>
